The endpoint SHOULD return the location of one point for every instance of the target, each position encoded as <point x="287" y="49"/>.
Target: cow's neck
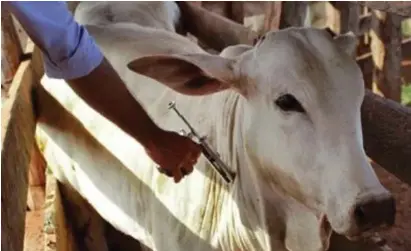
<point x="262" y="214"/>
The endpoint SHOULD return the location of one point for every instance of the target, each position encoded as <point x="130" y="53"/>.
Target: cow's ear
<point x="347" y="42"/>
<point x="190" y="74"/>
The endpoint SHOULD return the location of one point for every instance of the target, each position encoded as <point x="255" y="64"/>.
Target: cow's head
<point x="303" y="95"/>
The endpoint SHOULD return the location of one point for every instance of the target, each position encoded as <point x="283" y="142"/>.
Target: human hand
<point x="175" y="154"/>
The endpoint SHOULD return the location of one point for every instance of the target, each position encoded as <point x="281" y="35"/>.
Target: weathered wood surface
<point x="11" y="50"/>
<point x="364" y="25"/>
<point x="293" y="13"/>
<point x="33" y="52"/>
<point x="17" y="137"/>
<point x="386" y="134"/>
<point x="386" y="51"/>
<point x="58" y="234"/>
<point x="367" y="66"/>
<point x="35" y="197"/>
<point x="37" y="169"/>
<point x="205" y="25"/>
<point x="235" y="11"/>
<point x="402" y="8"/>
<point x="349" y="16"/>
<point x="272" y="15"/>
<point x="37" y="179"/>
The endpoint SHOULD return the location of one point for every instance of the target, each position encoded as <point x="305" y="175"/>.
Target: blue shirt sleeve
<point x="69" y="51"/>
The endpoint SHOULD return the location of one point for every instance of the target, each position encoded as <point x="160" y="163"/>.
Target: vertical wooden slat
<point x="392" y="37"/>
<point x="293" y="14"/>
<point x="58" y="233"/>
<point x="17" y="136"/>
<point x="363" y="47"/>
<point x="37" y="176"/>
<point x="367" y="67"/>
<point x="37" y="179"/>
<point x="11" y="50"/>
<point x="349" y="16"/>
<point x="386" y="51"/>
<point x="272" y="16"/>
<point x="235" y="11"/>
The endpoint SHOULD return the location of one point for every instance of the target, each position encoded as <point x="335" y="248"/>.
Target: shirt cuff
<point x="85" y="58"/>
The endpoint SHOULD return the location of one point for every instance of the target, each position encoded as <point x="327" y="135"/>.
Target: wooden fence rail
<point x="17" y="137"/>
<point x="402" y="8"/>
<point x="11" y="48"/>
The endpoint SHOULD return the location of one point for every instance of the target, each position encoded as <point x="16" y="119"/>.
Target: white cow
<point x="284" y="115"/>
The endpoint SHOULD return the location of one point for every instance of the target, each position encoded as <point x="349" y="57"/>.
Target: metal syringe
<point x="212" y="156"/>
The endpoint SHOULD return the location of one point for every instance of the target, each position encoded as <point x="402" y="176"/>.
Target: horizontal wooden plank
<point x="402" y="8"/>
<point x="17" y="138"/>
<point x="205" y="26"/>
<point x="387" y="134"/>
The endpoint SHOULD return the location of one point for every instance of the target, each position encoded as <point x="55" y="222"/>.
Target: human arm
<point x="71" y="54"/>
<point x="174" y="153"/>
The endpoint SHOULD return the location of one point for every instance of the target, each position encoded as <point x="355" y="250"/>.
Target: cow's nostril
<point x="375" y="213"/>
<point x="359" y="215"/>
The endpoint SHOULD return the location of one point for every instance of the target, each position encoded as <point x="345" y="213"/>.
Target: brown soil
<point x="34" y="237"/>
<point x="399" y="236"/>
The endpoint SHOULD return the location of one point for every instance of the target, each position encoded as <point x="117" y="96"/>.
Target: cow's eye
<point x="288" y="103"/>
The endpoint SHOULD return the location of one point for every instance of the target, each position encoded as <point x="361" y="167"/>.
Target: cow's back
<point x="158" y="15"/>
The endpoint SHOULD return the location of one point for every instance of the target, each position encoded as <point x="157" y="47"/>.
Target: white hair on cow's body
<point x="297" y="169"/>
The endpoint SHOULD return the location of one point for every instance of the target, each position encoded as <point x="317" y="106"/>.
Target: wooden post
<point x="17" y="136"/>
<point x="386" y="51"/>
<point x="349" y="17"/>
<point x="392" y="37"/>
<point x="363" y="47"/>
<point x="293" y="14"/>
<point x="272" y="16"/>
<point x="406" y="57"/>
<point x="235" y="11"/>
<point x="11" y="50"/>
<point x="367" y="68"/>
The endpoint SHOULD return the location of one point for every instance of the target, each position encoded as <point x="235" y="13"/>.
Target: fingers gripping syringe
<point x="212" y="156"/>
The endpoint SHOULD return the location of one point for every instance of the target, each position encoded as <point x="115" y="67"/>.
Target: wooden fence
<point x="386" y="124"/>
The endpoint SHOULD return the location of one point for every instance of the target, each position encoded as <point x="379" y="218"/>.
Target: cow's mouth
<point x="368" y="233"/>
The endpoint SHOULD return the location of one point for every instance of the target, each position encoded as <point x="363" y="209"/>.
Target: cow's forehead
<point x="307" y="62"/>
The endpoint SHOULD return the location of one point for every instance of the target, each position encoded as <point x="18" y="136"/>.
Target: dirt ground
<point x="399" y="236"/>
<point x="34" y="238"/>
